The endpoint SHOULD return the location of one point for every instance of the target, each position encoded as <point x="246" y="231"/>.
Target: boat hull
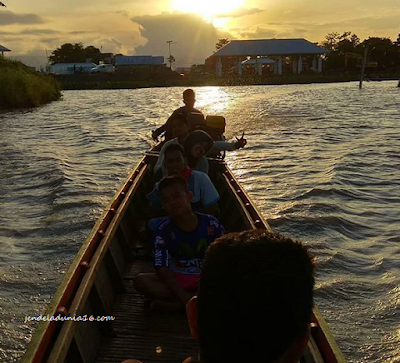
<point x="99" y="283"/>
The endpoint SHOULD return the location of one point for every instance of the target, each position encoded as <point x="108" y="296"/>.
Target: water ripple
<point x="322" y="163"/>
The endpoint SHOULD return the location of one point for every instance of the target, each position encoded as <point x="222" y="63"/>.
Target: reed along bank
<point x="21" y="87"/>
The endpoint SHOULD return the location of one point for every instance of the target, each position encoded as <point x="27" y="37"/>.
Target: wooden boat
<point x="100" y="283"/>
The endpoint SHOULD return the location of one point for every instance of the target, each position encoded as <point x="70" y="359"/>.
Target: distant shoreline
<point x="114" y="81"/>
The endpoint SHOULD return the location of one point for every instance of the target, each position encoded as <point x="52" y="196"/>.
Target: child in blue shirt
<point x="180" y="243"/>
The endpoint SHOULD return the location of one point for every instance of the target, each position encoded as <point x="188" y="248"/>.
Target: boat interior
<point x="156" y="336"/>
<point x="100" y="283"/>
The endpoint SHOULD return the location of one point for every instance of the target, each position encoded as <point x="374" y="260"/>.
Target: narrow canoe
<point x="99" y="283"/>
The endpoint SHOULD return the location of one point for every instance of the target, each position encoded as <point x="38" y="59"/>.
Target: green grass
<point x="21" y="87"/>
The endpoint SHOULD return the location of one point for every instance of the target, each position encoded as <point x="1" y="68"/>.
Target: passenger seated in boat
<point x="180" y="130"/>
<point x="205" y="196"/>
<point x="197" y="144"/>
<point x="189" y="99"/>
<point x="254" y="300"/>
<point x="180" y="242"/>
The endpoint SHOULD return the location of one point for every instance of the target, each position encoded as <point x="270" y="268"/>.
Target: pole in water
<point x="170" y="59"/>
<point x="363" y="66"/>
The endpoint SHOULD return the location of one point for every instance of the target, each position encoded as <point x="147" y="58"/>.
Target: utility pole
<point x="47" y="66"/>
<point x="170" y="58"/>
<point x="398" y="45"/>
<point x="363" y="66"/>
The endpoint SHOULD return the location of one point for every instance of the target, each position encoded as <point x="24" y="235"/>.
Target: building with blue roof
<point x="276" y="55"/>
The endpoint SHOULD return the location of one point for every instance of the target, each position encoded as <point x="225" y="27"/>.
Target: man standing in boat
<point x="189" y="99"/>
<point x="180" y="243"/>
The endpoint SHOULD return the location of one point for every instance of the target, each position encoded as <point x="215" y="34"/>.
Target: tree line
<point x="345" y="51"/>
<point x="75" y="53"/>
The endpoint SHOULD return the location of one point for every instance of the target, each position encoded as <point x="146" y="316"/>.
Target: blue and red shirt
<point x="183" y="252"/>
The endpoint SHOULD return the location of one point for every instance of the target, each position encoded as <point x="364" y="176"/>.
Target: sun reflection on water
<point x="214" y="99"/>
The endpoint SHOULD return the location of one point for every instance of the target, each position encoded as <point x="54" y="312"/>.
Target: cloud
<point x="38" y="32"/>
<point x="114" y="32"/>
<point x="364" y="27"/>
<point x="47" y="40"/>
<point x="257" y="33"/>
<point x="317" y="29"/>
<point x="194" y="38"/>
<point x="240" y="13"/>
<point x="3" y="33"/>
<point x="295" y="33"/>
<point x="78" y="32"/>
<point x="370" y="22"/>
<point x="33" y="58"/>
<point x="111" y="43"/>
<point x="8" y="18"/>
<point x="111" y="31"/>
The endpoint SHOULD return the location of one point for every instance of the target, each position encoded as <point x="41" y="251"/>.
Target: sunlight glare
<point x="207" y="8"/>
<point x="219" y="23"/>
<point x="213" y="99"/>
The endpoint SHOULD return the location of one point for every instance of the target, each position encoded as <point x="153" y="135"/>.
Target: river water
<point x="322" y="164"/>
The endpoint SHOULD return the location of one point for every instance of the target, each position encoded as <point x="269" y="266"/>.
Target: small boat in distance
<point x="99" y="283"/>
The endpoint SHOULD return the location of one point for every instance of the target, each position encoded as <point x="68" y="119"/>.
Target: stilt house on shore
<point x="267" y="56"/>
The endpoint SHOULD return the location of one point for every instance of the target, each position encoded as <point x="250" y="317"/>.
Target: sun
<point x="206" y="8"/>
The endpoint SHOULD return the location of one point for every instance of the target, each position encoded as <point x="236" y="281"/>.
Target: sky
<point x="33" y="29"/>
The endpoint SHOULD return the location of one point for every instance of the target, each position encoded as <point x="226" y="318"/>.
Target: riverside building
<point x="267" y="56"/>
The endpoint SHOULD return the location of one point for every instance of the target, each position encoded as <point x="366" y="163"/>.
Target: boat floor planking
<point x="100" y="283"/>
<point x="151" y="337"/>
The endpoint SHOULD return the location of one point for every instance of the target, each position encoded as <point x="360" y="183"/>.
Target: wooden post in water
<point x="363" y="66"/>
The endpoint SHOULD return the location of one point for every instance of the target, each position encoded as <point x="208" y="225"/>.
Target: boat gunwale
<point x="326" y="343"/>
<point x="64" y="296"/>
<point x="257" y="219"/>
<point x="59" y="348"/>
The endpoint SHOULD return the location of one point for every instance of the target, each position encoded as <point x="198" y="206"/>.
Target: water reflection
<point x="321" y="164"/>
